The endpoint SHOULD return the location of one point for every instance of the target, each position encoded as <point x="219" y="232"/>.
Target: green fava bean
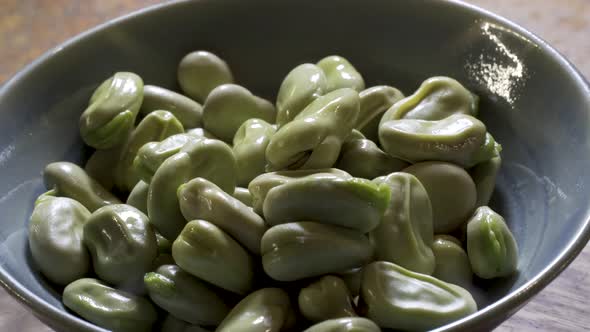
<point x="138" y="196"/>
<point x="200" y="132"/>
<point x="301" y="250"/>
<point x="491" y="247"/>
<point x="340" y="74"/>
<point x="164" y="245"/>
<point x="374" y="102"/>
<point x="265" y="310"/>
<point x="404" y="235"/>
<point x="451" y="190"/>
<point x="109" y="308"/>
<point x="325" y="299"/>
<point x="200" y="72"/>
<point x="351" y="324"/>
<point x="173" y="324"/>
<point x="206" y="158"/>
<point x="111" y="114"/>
<point x="186" y="110"/>
<point x="452" y="263"/>
<point x="185" y="296"/>
<point x="162" y="259"/>
<point x="459" y="139"/>
<point x="69" y="180"/>
<point x="363" y="158"/>
<point x="262" y="184"/>
<point x="484" y="176"/>
<point x="202" y="199"/>
<point x="243" y="195"/>
<point x="353" y="203"/>
<point x="151" y="155"/>
<point x="102" y="164"/>
<point x="122" y="243"/>
<point x="249" y="148"/>
<point x="354" y="135"/>
<point x="437" y="98"/>
<point x="205" y="251"/>
<point x="396" y="298"/>
<point x="230" y="105"/>
<point x="156" y="126"/>
<point x="302" y="85"/>
<point x="313" y="139"/>
<point x="55" y="238"/>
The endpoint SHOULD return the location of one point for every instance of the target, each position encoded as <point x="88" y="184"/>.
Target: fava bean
<point x="340" y="74"/>
<point x="243" y="195"/>
<point x="484" y="176"/>
<point x="173" y="324"/>
<point x="374" y="102"/>
<point x="452" y="263"/>
<point x="352" y="324"/>
<point x="200" y="72"/>
<point x="363" y="158"/>
<point x="249" y="148"/>
<point x="138" y="196"/>
<point x="186" y="110"/>
<point x="325" y="299"/>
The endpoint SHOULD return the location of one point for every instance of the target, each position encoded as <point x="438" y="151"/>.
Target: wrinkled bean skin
<point x="262" y="184"/>
<point x="302" y="85"/>
<point x="138" y="196"/>
<point x="458" y="139"/>
<point x="55" y="238"/>
<point x="437" y="98"/>
<point x="156" y="126"/>
<point x="173" y="324"/>
<point x="451" y="190"/>
<point x="202" y="199"/>
<point x="405" y="234"/>
<point x="112" y="110"/>
<point x="484" y="176"/>
<point x="314" y="137"/>
<point x="326" y="298"/>
<point x="69" y="180"/>
<point x="396" y="298"/>
<point x="452" y="263"/>
<point x="249" y="147"/>
<point x="265" y="310"/>
<point x="374" y="102"/>
<point x="340" y="74"/>
<point x="185" y="296"/>
<point x="200" y="72"/>
<point x="301" y="250"/>
<point x="109" y="308"/>
<point x="362" y="158"/>
<point x="122" y="243"/>
<point x="491" y="247"/>
<point x="230" y="105"/>
<point x="205" y="251"/>
<point x="353" y="203"/>
<point x="206" y="158"/>
<point x="151" y="155"/>
<point x="243" y="195"/>
<point x="352" y="324"/>
<point x="186" y="110"/>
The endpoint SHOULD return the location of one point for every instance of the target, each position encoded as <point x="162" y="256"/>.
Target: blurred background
<point x="29" y="28"/>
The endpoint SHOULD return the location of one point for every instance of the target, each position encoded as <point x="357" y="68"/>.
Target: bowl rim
<point x="508" y="304"/>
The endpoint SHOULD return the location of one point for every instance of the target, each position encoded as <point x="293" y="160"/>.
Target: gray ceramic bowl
<point x="534" y="102"/>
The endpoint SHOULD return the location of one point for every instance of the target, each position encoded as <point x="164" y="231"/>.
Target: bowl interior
<point x="531" y="100"/>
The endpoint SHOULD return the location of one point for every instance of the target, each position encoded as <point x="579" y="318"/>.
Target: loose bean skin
<point x="300" y="250"/>
<point x="396" y="298"/>
<point x="404" y="235"/>
<point x="265" y="310"/>
<point x="56" y="238"/>
<point x="69" y="180"/>
<point x="185" y="296"/>
<point x="205" y="251"/>
<point x="108" y="307"/>
<point x="112" y="110"/>
<point x="491" y="247"/>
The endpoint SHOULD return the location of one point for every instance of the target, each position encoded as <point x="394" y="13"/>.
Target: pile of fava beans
<point x="338" y="208"/>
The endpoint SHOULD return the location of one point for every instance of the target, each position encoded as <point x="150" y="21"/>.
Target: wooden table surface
<point x="30" y="27"/>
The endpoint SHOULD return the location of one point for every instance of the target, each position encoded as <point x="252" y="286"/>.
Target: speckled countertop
<point x="30" y="27"/>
